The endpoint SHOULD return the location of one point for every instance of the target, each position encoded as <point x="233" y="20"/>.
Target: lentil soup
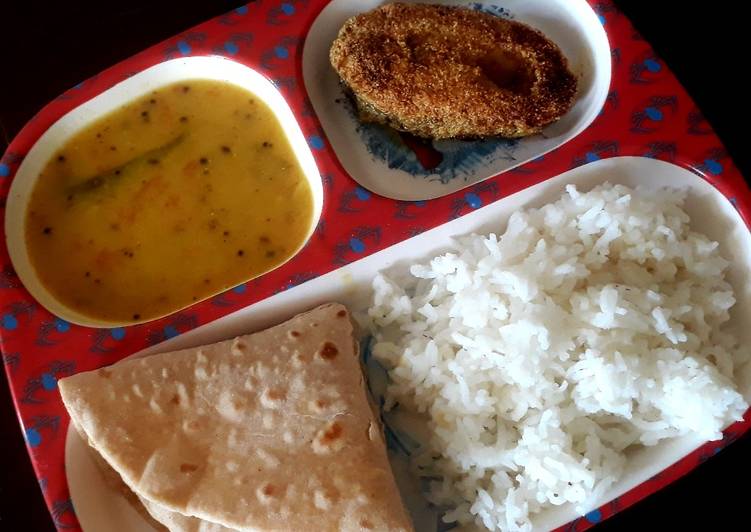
<point x="178" y="195"/>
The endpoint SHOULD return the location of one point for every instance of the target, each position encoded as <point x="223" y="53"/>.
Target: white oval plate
<point x="373" y="156"/>
<point x="99" y="507"/>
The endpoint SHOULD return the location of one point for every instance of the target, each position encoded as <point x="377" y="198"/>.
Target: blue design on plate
<point x="102" y="339"/>
<point x="348" y="198"/>
<point x="9" y="322"/>
<point x="230" y="18"/>
<point x="33" y="437"/>
<point x="597" y="151"/>
<point x="49" y="382"/>
<point x="231" y="47"/>
<point x="33" y="431"/>
<point x="713" y="166"/>
<point x="595" y="516"/>
<point x="653" y="111"/>
<point x="184" y="45"/>
<point x="456" y="158"/>
<point x="46" y="381"/>
<point x="180" y="323"/>
<point x="63" y="514"/>
<point x="357" y="243"/>
<point x="362" y="194"/>
<point x="61" y="325"/>
<point x="652" y="65"/>
<point x="316" y="142"/>
<point x="239" y="289"/>
<point x="491" y="9"/>
<point x="48" y="328"/>
<point x="278" y="15"/>
<point x="473" y="200"/>
<point x="281" y="52"/>
<point x="4" y="170"/>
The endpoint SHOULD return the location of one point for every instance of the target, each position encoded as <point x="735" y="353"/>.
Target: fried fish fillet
<point x="452" y="72"/>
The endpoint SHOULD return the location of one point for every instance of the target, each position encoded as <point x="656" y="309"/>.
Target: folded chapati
<point x="270" y="431"/>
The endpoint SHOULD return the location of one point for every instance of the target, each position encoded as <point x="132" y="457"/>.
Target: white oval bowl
<point x="155" y="77"/>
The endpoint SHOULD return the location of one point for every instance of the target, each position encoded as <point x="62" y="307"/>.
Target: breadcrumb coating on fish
<point x="451" y="72"/>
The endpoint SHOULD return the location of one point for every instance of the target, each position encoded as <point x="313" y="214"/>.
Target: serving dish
<point x="381" y="164"/>
<point x="645" y="113"/>
<point x="101" y="508"/>
<point x="171" y="71"/>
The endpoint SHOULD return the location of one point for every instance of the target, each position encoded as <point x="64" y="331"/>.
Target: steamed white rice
<point x="536" y="358"/>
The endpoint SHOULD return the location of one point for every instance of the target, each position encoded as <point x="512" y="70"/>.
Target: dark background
<point x="48" y="46"/>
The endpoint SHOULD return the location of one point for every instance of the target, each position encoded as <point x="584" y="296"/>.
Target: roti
<point x="269" y="431"/>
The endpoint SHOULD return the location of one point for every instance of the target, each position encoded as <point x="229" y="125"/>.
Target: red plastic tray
<point x="647" y="113"/>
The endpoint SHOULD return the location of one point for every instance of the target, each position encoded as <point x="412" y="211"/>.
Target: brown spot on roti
<point x="333" y="433"/>
<point x="318" y="406"/>
<point x="267" y="493"/>
<point x="105" y="373"/>
<point x="273" y="397"/>
<point x="328" y="351"/>
<point x="188" y="468"/>
<point x="175" y="399"/>
<point x="367" y="525"/>
<point x="329" y="439"/>
<point x="276" y="394"/>
<point x="295" y="334"/>
<point x="341" y="313"/>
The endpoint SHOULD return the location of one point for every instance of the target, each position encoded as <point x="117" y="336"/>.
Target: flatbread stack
<point x="270" y="431"/>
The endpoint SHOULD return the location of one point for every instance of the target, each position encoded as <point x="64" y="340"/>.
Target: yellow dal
<point x="181" y="194"/>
